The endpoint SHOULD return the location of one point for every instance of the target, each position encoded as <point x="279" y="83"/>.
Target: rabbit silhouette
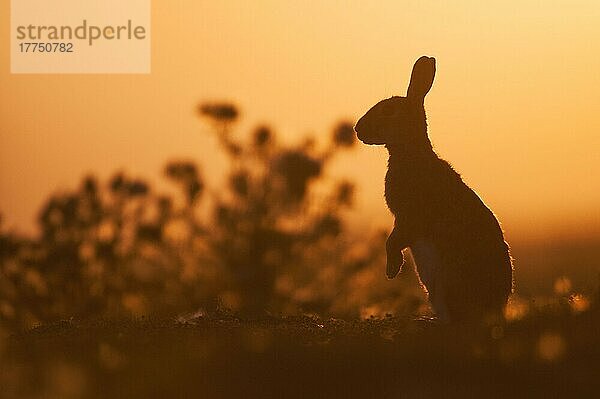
<point x="457" y="243"/>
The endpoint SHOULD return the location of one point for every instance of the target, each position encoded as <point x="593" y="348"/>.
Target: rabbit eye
<point x="388" y="111"/>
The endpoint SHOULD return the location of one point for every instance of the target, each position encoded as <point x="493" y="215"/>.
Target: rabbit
<point x="456" y="241"/>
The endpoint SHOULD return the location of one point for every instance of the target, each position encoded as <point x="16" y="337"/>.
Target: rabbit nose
<point x="358" y="131"/>
<point x="358" y="125"/>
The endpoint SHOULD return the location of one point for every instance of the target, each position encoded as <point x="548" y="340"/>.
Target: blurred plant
<point x="272" y="237"/>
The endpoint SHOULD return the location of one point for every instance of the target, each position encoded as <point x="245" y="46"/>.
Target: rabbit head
<point x="398" y="120"/>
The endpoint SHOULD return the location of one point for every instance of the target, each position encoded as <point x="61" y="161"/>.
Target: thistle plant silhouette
<point x="268" y="222"/>
<point x="270" y="237"/>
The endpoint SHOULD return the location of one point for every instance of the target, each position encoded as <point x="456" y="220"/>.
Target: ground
<point x="552" y="354"/>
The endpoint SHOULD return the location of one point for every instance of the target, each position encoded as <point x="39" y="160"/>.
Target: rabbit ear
<point x="421" y="78"/>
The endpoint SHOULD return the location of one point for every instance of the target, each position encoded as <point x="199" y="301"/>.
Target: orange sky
<point x="515" y="106"/>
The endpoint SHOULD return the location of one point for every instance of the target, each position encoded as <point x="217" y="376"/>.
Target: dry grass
<point x="552" y="352"/>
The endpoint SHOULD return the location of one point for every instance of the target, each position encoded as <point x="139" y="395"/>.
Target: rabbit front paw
<point x="395" y="261"/>
<point x="393" y="248"/>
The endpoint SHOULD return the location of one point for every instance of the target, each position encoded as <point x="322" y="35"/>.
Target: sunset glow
<point x="514" y="106"/>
